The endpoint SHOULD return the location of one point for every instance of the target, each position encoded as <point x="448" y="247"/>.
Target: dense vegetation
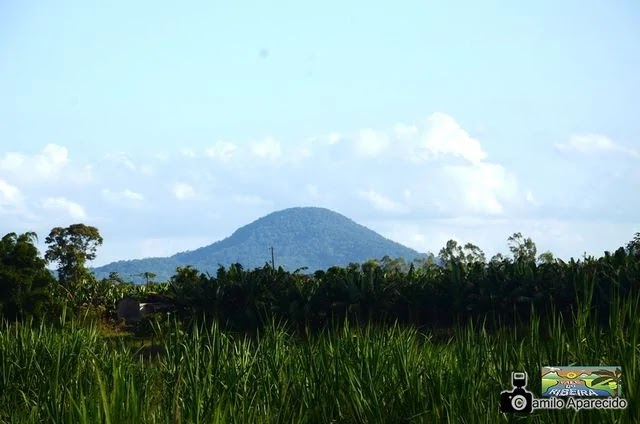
<point x="381" y="341"/>
<point x="351" y="375"/>
<point x="315" y="238"/>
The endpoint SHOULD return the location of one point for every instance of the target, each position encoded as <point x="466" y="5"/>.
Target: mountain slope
<point x="311" y="237"/>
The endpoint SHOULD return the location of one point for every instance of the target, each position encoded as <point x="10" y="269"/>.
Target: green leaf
<point x="600" y="380"/>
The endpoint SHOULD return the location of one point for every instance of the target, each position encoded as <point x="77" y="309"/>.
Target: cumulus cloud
<point x="269" y="148"/>
<point x="444" y="169"/>
<point x="190" y="153"/>
<point x="439" y="138"/>
<point x="404" y="131"/>
<point x="183" y="191"/>
<point x="334" y="138"/>
<point x="409" y="172"/>
<point x="123" y="160"/>
<point x="592" y="144"/>
<point x="15" y="209"/>
<point x="45" y="165"/>
<point x="222" y="150"/>
<point x="483" y="186"/>
<point x="443" y="137"/>
<point x="301" y="151"/>
<point x="9" y="194"/>
<point x="52" y="159"/>
<point x="370" y="143"/>
<point x="531" y="199"/>
<point x="12" y="161"/>
<point x="73" y="209"/>
<point x="162" y="156"/>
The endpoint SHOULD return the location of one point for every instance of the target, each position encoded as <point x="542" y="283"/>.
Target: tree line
<point x="462" y="286"/>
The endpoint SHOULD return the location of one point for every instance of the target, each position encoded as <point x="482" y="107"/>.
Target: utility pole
<point x="273" y="263"/>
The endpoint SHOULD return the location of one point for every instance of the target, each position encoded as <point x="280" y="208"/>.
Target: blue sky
<point x="169" y="124"/>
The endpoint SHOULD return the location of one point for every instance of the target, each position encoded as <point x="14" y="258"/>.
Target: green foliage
<point x="427" y="295"/>
<point x="349" y="374"/>
<point x="25" y="283"/>
<point x="72" y="247"/>
<point x="633" y="247"/>
<point x="546" y="258"/>
<point x="523" y="249"/>
<point x="470" y="325"/>
<point x="148" y="276"/>
<point x="467" y="255"/>
<point x="315" y="238"/>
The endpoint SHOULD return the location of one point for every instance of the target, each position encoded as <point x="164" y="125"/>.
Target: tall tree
<point x="633" y="247"/>
<point x="523" y="249"/>
<point x="71" y="248"/>
<point x="546" y="258"/>
<point x="25" y="282"/>
<point x="148" y="276"/>
<point x="451" y="252"/>
<point x="473" y="254"/>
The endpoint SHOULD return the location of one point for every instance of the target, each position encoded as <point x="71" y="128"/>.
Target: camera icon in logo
<point x="518" y="399"/>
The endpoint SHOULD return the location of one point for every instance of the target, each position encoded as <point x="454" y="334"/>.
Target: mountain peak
<point x="312" y="237"/>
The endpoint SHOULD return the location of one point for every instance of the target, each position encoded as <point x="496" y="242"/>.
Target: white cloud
<point x="9" y="194"/>
<point x="12" y="161"/>
<point x="334" y="138"/>
<point x="483" y="186"/>
<point x="162" y="156"/>
<point x="529" y="197"/>
<point x="269" y="148"/>
<point x="221" y="150"/>
<point x="73" y="209"/>
<point x="126" y="194"/>
<point x="52" y="159"/>
<point x="442" y="138"/>
<point x="190" y="153"/>
<point x="416" y="171"/>
<point x="445" y="137"/>
<point x="301" y="151"/>
<point x="13" y="208"/>
<point x="593" y="143"/>
<point x="124" y="160"/>
<point x="370" y="143"/>
<point x="183" y="191"/>
<point x="406" y="132"/>
<point x="382" y="202"/>
<point x="47" y="164"/>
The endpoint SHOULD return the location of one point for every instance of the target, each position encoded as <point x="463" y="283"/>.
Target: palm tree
<point x="608" y="377"/>
<point x="147" y="276"/>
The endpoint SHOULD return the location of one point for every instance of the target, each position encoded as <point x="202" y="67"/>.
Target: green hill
<point x="311" y="237"/>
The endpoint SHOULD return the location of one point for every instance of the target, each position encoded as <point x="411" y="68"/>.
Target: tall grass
<point x="351" y="374"/>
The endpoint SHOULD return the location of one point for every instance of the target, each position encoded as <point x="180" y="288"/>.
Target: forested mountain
<point x="311" y="237"/>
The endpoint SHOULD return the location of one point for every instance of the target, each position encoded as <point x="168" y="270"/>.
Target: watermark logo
<point x="574" y="388"/>
<point x="518" y="399"/>
<point x="581" y="381"/>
